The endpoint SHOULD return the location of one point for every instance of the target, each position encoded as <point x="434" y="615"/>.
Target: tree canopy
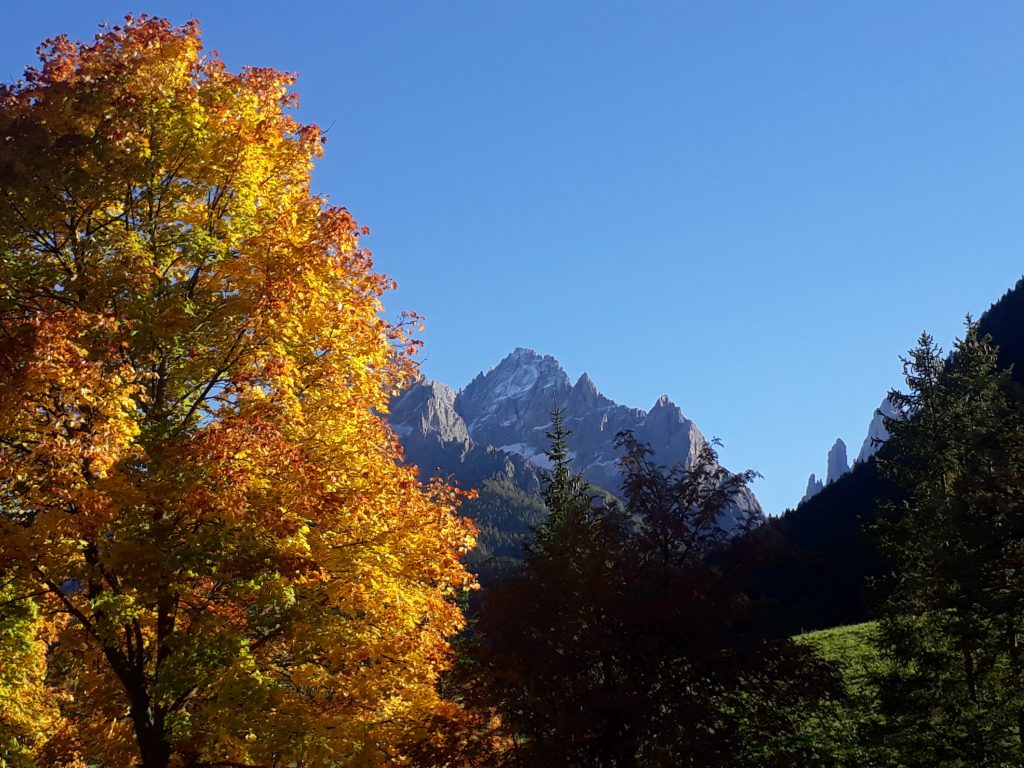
<point x="199" y="500"/>
<point x="625" y="641"/>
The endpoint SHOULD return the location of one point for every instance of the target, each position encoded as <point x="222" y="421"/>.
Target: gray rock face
<point x="837" y="462"/>
<point x="837" y="466"/>
<point x="435" y="439"/>
<point x="508" y="410"/>
<point x="427" y="411"/>
<point x="502" y="407"/>
<point x="814" y="486"/>
<point x="510" y="407"/>
<point x="877" y="433"/>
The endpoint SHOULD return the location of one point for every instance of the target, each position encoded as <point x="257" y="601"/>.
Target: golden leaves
<point x="192" y="457"/>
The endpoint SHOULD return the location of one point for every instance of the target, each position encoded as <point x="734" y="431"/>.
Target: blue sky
<point x="751" y="207"/>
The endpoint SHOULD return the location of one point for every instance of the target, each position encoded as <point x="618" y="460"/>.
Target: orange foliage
<point x="193" y="465"/>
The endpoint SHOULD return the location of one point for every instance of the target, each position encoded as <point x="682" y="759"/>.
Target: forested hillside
<point x="826" y="559"/>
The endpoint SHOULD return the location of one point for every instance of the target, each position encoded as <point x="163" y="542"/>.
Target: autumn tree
<point x="954" y="616"/>
<point x="196" y="485"/>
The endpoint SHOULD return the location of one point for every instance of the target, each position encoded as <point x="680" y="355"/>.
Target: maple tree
<point x="202" y="512"/>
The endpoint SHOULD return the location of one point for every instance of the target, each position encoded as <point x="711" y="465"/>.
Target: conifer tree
<point x="566" y="495"/>
<point x="955" y="613"/>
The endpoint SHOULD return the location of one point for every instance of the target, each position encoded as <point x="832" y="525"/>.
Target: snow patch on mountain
<point x="540" y="459"/>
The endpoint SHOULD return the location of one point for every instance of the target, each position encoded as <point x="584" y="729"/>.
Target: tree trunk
<point x="154" y="748"/>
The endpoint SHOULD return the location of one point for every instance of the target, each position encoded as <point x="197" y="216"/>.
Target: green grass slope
<point x="850" y="733"/>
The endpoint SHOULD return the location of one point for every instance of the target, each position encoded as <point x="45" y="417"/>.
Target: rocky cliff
<point x="494" y="428"/>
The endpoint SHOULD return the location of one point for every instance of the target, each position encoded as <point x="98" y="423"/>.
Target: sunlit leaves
<point x="193" y="465"/>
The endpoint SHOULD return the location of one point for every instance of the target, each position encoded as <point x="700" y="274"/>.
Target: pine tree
<point x="955" y="613"/>
<point x="566" y="494"/>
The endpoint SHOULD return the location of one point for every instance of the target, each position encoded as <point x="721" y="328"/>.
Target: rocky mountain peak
<point x="838" y="464"/>
<point x="877" y="433"/>
<point x="585" y="383"/>
<point x="667" y="414"/>
<point x="665" y="411"/>
<point x="520" y="376"/>
<point x="523" y="389"/>
<point x="814" y="486"/>
<point x="427" y="409"/>
<point x="665" y="427"/>
<point x="508" y="410"/>
<point x="585" y="396"/>
<point x="523" y="353"/>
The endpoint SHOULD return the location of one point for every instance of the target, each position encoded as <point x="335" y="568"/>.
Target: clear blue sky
<point x="753" y="207"/>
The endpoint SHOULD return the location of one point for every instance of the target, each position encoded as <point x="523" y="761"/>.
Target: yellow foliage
<point x="193" y="466"/>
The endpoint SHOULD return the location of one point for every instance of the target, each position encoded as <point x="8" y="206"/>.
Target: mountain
<point x="1004" y="322"/>
<point x="877" y="433"/>
<point x="436" y="439"/>
<point x="491" y="434"/>
<point x="836" y="464"/>
<point x="837" y="461"/>
<point x="814" y="485"/>
<point x="510" y="408"/>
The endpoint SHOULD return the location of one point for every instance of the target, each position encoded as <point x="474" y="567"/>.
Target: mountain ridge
<point x="494" y="428"/>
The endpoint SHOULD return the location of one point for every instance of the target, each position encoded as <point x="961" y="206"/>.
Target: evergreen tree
<point x="623" y="643"/>
<point x="544" y="634"/>
<point x="566" y="495"/>
<point x="955" y="613"/>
